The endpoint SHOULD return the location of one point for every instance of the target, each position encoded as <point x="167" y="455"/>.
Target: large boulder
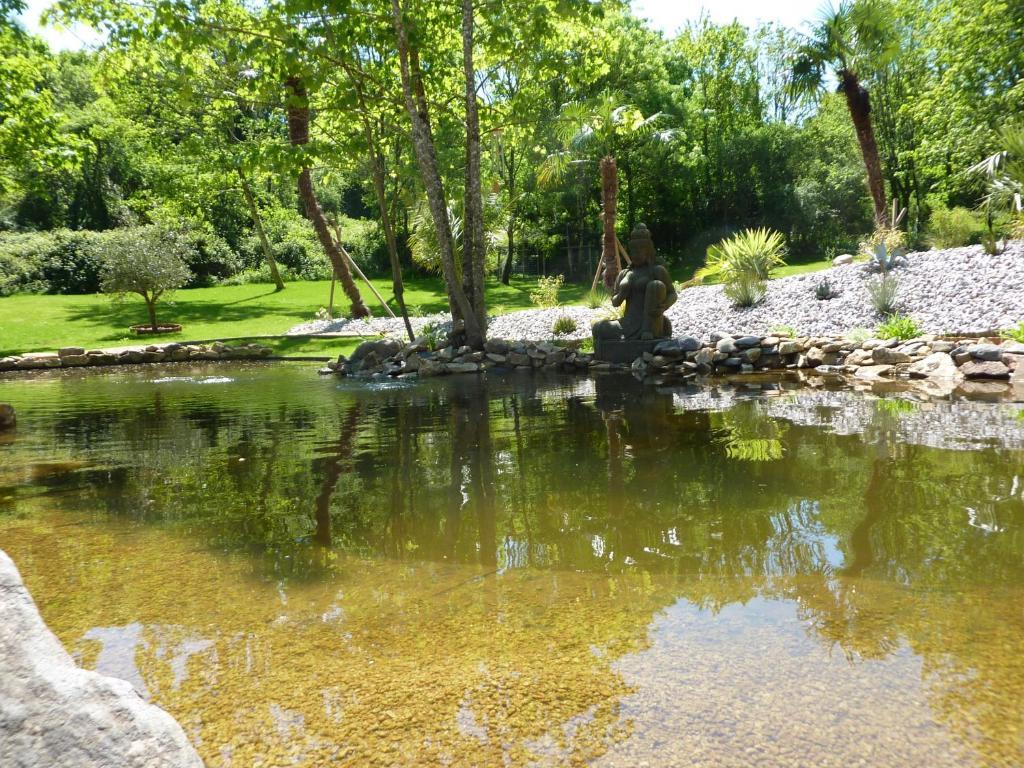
<point x="55" y="715"/>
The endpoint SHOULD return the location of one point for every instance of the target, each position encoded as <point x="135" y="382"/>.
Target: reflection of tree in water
<point x="871" y="537"/>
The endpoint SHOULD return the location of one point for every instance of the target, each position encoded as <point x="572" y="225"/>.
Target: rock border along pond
<point x="925" y="357"/>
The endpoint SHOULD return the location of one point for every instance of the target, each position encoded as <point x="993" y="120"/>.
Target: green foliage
<point x="882" y="290"/>
<point x="901" y="327"/>
<point x="1015" y="334"/>
<point x="545" y="294"/>
<point x="953" y="227"/>
<point x="823" y="291"/>
<point x="49" y="262"/>
<point x="564" y="325"/>
<point x="596" y="298"/>
<point x="786" y="331"/>
<point x="148" y="261"/>
<point x="746" y="291"/>
<point x="753" y="253"/>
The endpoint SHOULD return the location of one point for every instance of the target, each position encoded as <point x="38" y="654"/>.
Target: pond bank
<point x="54" y="714"/>
<point x="950" y="362"/>
<point x="172" y="352"/>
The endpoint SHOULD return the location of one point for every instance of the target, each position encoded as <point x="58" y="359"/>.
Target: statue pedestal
<point x="622" y="351"/>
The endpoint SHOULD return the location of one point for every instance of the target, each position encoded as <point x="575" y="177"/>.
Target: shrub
<point x="149" y="261"/>
<point x="545" y="293"/>
<point x="953" y="227"/>
<point x="753" y="253"/>
<point x="900" y="327"/>
<point x="746" y="291"/>
<point x="1015" y="334"/>
<point x="882" y="291"/>
<point x="785" y="330"/>
<point x="211" y="258"/>
<point x="61" y="261"/>
<point x="891" y="237"/>
<point x="596" y="298"/>
<point x="564" y="325"/>
<point x="258" y="275"/>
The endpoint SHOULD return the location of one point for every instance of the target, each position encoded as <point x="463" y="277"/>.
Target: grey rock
<point x="938" y="365"/>
<point x="430" y="367"/>
<point x="790" y="347"/>
<point x="56" y="715"/>
<point x="842" y="260"/>
<point x="872" y="372"/>
<point x="495" y="357"/>
<point x="496" y="346"/>
<point x="942" y="346"/>
<point x="888" y="356"/>
<point x="726" y="346"/>
<point x="74" y="361"/>
<point x="704" y="356"/>
<point x="745" y="342"/>
<point x="989" y="352"/>
<point x="71" y="351"/>
<point x="518" y="359"/>
<point x="985" y="369"/>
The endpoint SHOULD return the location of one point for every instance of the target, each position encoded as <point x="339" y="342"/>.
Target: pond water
<point x="523" y="570"/>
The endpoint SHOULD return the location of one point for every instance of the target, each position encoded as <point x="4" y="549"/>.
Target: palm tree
<point x="607" y="128"/>
<point x="853" y="41"/>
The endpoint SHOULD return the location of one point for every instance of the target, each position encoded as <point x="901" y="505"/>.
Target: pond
<point x="526" y="570"/>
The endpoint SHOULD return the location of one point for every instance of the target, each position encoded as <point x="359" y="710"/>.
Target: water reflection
<point x="533" y="570"/>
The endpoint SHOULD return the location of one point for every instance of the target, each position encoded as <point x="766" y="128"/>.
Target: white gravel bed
<point x="957" y="290"/>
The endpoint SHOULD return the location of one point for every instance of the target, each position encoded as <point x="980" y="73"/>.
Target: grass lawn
<point x="31" y="322"/>
<point x="800" y="269"/>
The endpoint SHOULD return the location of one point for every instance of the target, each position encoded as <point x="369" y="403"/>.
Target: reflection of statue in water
<point x="647" y="289"/>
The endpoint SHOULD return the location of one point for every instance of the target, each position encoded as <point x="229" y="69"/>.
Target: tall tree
<point x="414" y="97"/>
<point x="853" y="41"/>
<point x="298" y="134"/>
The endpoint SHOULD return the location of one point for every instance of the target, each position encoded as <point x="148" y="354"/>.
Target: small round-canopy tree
<point x="150" y="261"/>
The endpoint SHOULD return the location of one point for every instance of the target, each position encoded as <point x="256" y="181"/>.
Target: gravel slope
<point x="957" y="290"/>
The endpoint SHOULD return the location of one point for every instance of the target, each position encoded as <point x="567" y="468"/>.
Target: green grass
<point x="801" y="269"/>
<point x="31" y="322"/>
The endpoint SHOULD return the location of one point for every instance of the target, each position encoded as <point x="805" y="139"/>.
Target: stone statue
<point x="647" y="289"/>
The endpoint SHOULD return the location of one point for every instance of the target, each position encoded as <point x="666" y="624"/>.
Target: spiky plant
<point x="883" y="290"/>
<point x="746" y="291"/>
<point x="753" y="253"/>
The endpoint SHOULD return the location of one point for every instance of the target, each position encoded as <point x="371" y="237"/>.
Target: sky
<point x="666" y="15"/>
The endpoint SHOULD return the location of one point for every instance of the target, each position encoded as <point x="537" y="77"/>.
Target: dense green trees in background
<point x="180" y="120"/>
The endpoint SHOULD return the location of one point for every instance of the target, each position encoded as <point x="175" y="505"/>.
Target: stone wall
<point x="719" y="354"/>
<point x="78" y="357"/>
<point x="55" y="715"/>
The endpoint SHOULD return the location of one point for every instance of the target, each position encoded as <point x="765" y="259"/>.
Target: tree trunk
<point x="859" y="104"/>
<point x="474" y="244"/>
<point x="298" y="134"/>
<point x="609" y="199"/>
<point x="426" y="158"/>
<point x="257" y="221"/>
<point x="510" y="233"/>
<point x="510" y="228"/>
<point x="151" y="308"/>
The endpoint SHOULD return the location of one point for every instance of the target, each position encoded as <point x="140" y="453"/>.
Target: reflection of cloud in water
<point x="712" y="686"/>
<point x="193" y="380"/>
<point x="117" y="653"/>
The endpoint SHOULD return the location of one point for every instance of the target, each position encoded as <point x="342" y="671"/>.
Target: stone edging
<point x="78" y="357"/>
<point x="721" y="353"/>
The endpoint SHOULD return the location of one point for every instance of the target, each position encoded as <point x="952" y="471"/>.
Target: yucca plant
<point x="752" y="253"/>
<point x="746" y="291"/>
